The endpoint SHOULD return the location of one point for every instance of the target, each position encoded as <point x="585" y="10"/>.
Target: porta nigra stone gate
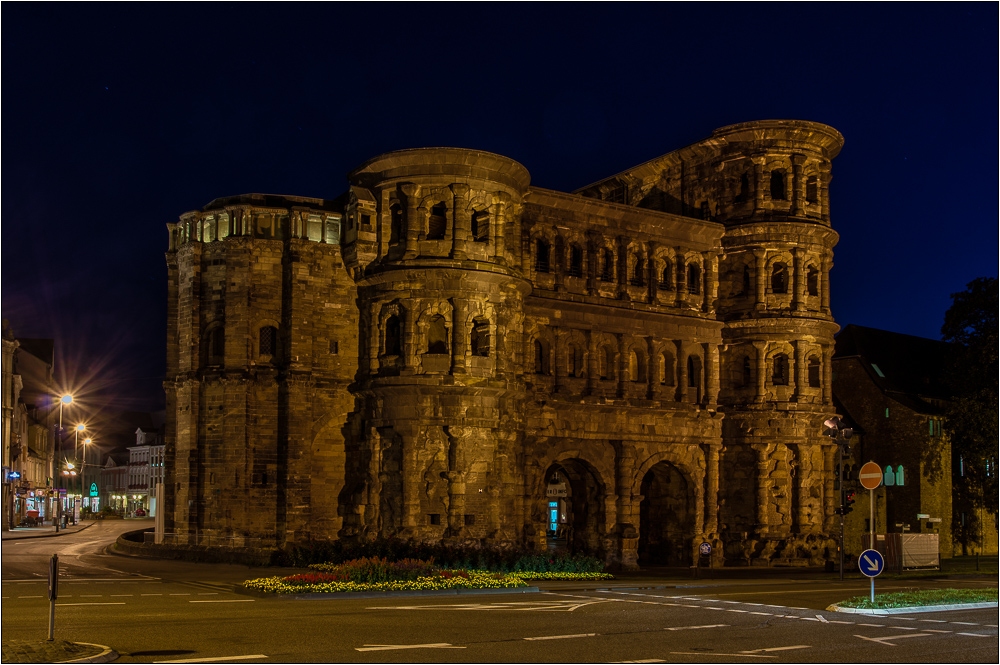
<point x="446" y="353"/>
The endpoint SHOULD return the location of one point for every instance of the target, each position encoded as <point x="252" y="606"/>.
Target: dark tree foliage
<point x="971" y="416"/>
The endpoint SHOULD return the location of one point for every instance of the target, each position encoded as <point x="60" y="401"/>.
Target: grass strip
<point x="475" y="579"/>
<point x="920" y="598"/>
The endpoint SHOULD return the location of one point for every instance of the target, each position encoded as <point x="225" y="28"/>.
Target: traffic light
<point x="849" y="503"/>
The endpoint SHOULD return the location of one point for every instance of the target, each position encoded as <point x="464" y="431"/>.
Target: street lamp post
<point x="65" y="400"/>
<point x="841" y="434"/>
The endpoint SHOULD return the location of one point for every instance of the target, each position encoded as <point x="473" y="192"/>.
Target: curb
<point x="912" y="609"/>
<point x="105" y="656"/>
<point x="63" y="532"/>
<point x="368" y="595"/>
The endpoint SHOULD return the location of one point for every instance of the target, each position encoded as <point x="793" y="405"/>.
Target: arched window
<point x="393" y="336"/>
<point x="694" y="279"/>
<point x="812" y="189"/>
<point x="608" y="266"/>
<point x="744" y="194"/>
<point x="541" y="255"/>
<point x="268" y="341"/>
<point x="694" y="378"/>
<point x="575" y="260"/>
<point x="607" y="358"/>
<point x="574" y="361"/>
<point x="437" y="336"/>
<point x="747" y="373"/>
<point x="437" y="225"/>
<point x="778" y="186"/>
<point x="541" y="358"/>
<point x="779" y="376"/>
<point x="479" y="341"/>
<point x="395" y="224"/>
<point x="747" y="287"/>
<point x="637" y="366"/>
<point x="812" y="281"/>
<point x="480" y="226"/>
<point x="813" y="370"/>
<point x="667" y="275"/>
<point x="638" y="271"/>
<point x="667" y="371"/>
<point x="779" y="278"/>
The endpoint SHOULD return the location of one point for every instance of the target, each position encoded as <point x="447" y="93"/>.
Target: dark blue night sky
<point x="118" y="118"/>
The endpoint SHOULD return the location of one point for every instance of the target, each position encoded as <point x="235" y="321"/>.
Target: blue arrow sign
<point x="871" y="563"/>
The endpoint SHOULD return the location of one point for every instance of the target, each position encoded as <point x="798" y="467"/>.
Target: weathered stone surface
<point x="449" y="343"/>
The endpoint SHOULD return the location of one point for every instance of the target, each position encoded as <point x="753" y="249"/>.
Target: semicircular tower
<point x="432" y="236"/>
<point x="774" y="298"/>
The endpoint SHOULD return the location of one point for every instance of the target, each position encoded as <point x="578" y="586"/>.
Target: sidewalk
<point x="56" y="651"/>
<point x="47" y="531"/>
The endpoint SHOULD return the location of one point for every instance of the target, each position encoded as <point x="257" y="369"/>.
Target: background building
<point x="424" y="356"/>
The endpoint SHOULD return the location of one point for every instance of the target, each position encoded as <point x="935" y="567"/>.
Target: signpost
<point x="53" y="593"/>
<point x="871" y="563"/>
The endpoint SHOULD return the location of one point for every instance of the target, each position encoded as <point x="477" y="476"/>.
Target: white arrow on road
<point x="882" y="640"/>
<point x="873" y="565"/>
<point x="392" y="647"/>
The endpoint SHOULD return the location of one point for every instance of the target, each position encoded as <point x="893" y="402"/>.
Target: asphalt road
<point x="168" y="611"/>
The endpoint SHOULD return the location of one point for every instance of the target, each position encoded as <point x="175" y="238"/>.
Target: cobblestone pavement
<point x="56" y="651"/>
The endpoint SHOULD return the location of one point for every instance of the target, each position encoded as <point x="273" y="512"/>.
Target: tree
<point x="972" y="414"/>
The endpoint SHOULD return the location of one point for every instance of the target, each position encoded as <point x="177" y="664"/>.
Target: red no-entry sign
<point x="870" y="476"/>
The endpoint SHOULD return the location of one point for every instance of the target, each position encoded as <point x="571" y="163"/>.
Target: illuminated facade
<point x="448" y="353"/>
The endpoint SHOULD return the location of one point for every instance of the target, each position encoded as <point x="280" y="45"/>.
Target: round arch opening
<point x="666" y="517"/>
<point x="575" y="497"/>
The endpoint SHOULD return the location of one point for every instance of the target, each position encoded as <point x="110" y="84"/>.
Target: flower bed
<point x="556" y="575"/>
<point x="377" y="574"/>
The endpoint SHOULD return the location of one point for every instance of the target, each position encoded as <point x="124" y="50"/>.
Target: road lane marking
<point x="122" y="595"/>
<point x="766" y="614"/>
<point x="645" y="660"/>
<point x="713" y="654"/>
<point x="561" y="637"/>
<point x="797" y="646"/>
<point x="69" y="604"/>
<point x="932" y="620"/>
<point x="903" y="628"/>
<point x="180" y="594"/>
<point x="932" y="630"/>
<point x="237" y="600"/>
<point x="973" y="635"/>
<point x="884" y="639"/>
<point x="393" y="647"/>
<point x="711" y="625"/>
<point x="822" y="618"/>
<point x="150" y="594"/>
<point x="209" y="593"/>
<point x="740" y="611"/>
<point x="31" y="596"/>
<point x="213" y="659"/>
<point x="963" y="623"/>
<point x="872" y="625"/>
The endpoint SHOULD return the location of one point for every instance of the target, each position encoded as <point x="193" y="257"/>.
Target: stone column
<point x="593" y="363"/>
<point x="798" y="281"/>
<point x="413" y="219"/>
<point x="461" y="221"/>
<point x="526" y="254"/>
<point x="682" y="372"/>
<point x="828" y="373"/>
<point x="558" y="261"/>
<point x="797" y="183"/>
<point x="409" y="341"/>
<point x="712" y="375"/>
<point x="374" y="333"/>
<point x="558" y="359"/>
<point x="456" y="503"/>
<point x="712" y="488"/>
<point x="824" y="183"/>
<point x="761" y="348"/>
<point x="800" y="368"/>
<point x="411" y="477"/>
<point x="680" y="283"/>
<point x="592" y="260"/>
<point x="622" y="265"/>
<point x="764" y="452"/>
<point x="651" y="374"/>
<point x="622" y="365"/>
<point x="760" y="275"/>
<point x="459" y="335"/>
<point x="758" y="182"/>
<point x="651" y="271"/>
<point x="625" y="465"/>
<point x="710" y="282"/>
<point x="826" y="265"/>
<point x="499" y="227"/>
<point x="829" y="493"/>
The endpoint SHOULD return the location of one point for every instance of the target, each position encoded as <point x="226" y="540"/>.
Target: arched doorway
<point x="666" y="517"/>
<point x="574" y="507"/>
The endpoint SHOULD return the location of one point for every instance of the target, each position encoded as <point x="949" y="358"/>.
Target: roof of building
<point x="906" y="368"/>
<point x="43" y="349"/>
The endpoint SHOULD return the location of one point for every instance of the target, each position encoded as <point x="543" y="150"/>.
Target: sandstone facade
<point x="430" y="353"/>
